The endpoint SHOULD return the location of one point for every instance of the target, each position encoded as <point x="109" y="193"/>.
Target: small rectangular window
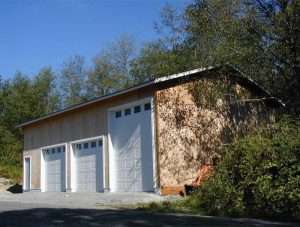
<point x="78" y="146"/>
<point x="86" y="145"/>
<point x="58" y="150"/>
<point x="47" y="151"/>
<point x="100" y="143"/>
<point x="118" y="114"/>
<point x="63" y="149"/>
<point x="127" y="111"/>
<point x="137" y="109"/>
<point x="147" y="106"/>
<point x="53" y="150"/>
<point x="93" y="144"/>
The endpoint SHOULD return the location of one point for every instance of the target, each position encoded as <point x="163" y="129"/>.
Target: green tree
<point x="168" y="54"/>
<point x="111" y="68"/>
<point x="156" y="60"/>
<point x="44" y="85"/>
<point x="18" y="102"/>
<point x="278" y="23"/>
<point x="73" y="77"/>
<point x="259" y="37"/>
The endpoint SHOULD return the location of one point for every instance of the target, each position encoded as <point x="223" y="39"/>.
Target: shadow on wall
<point x="83" y="217"/>
<point x="17" y="188"/>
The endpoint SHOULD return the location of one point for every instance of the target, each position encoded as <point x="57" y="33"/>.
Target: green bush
<point x="258" y="176"/>
<point x="10" y="155"/>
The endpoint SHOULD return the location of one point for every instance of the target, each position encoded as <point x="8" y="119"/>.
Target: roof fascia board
<point x="180" y="75"/>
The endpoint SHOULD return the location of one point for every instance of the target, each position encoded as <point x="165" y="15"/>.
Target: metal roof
<point x="184" y="75"/>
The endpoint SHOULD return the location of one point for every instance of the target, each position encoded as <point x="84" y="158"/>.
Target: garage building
<point x="138" y="139"/>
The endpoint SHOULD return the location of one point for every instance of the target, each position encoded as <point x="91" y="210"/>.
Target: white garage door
<point x="131" y="161"/>
<point x="54" y="169"/>
<point x="88" y="166"/>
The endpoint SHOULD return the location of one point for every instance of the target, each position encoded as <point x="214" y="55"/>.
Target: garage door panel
<point x="88" y="166"/>
<point x="54" y="169"/>
<point x="131" y="139"/>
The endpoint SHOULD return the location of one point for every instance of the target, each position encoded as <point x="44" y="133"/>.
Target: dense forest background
<point x="261" y="38"/>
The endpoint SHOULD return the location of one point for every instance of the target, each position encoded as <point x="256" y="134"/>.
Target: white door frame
<point x="110" y="146"/>
<point x="43" y="183"/>
<point x="72" y="158"/>
<point x="25" y="173"/>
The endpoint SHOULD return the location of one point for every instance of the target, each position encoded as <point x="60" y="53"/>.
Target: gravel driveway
<point x="82" y="200"/>
<point x="96" y="209"/>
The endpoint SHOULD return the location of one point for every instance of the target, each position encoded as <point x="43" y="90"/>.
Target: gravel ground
<point x="16" y="214"/>
<point x="99" y="209"/>
<point x="82" y="200"/>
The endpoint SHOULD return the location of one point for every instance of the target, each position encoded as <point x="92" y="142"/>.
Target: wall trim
<point x="154" y="154"/>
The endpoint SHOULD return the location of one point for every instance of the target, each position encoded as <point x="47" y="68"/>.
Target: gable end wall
<point x="191" y="130"/>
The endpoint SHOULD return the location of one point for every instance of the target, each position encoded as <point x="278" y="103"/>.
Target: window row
<point x="55" y="150"/>
<point x="87" y="145"/>
<point x="136" y="109"/>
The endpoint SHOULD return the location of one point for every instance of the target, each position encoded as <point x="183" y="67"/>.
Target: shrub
<point x="258" y="176"/>
<point x="10" y="155"/>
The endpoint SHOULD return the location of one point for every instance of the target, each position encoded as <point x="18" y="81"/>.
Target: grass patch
<point x="12" y="172"/>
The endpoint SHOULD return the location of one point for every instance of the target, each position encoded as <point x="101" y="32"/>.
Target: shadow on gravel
<point x="83" y="217"/>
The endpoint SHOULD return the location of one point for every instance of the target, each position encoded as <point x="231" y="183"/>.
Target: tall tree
<point x="260" y="37"/>
<point x="45" y="88"/>
<point x="111" y="68"/>
<point x="167" y="54"/>
<point x="278" y="23"/>
<point x="72" y="81"/>
<point x="18" y="101"/>
<point x="156" y="60"/>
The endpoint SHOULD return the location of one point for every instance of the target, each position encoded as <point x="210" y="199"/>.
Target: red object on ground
<point x="203" y="173"/>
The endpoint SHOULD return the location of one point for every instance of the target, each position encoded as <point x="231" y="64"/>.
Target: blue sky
<point x="38" y="33"/>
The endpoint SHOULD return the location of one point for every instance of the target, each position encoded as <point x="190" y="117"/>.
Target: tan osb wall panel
<point x="190" y="131"/>
<point x="35" y="167"/>
<point x="86" y="122"/>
